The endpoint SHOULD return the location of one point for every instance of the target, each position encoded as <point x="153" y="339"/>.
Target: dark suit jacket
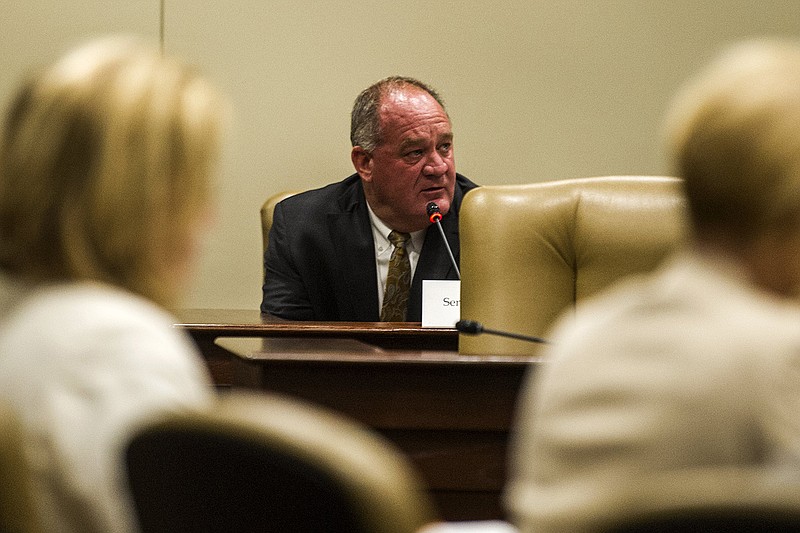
<point x="320" y="262"/>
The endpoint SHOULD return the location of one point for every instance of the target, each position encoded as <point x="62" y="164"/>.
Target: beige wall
<point x="537" y="90"/>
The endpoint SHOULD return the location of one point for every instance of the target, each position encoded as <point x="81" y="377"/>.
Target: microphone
<point x="472" y="327"/>
<point x="435" y="216"/>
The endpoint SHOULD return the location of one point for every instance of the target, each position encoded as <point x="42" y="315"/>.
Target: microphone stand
<point x="471" y="327"/>
<point x="436" y="217"/>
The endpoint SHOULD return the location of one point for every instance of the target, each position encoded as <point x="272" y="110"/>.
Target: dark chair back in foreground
<point x="271" y="464"/>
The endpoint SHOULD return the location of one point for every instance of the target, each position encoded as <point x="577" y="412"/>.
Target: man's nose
<point x="436" y="165"/>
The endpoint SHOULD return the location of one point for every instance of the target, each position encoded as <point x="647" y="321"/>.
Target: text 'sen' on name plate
<point x="441" y="303"/>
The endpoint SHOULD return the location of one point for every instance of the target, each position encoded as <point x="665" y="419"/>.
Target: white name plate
<point x="441" y="303"/>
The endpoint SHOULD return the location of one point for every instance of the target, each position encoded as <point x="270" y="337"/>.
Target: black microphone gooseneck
<point x="435" y="216"/>
<point x="472" y="327"/>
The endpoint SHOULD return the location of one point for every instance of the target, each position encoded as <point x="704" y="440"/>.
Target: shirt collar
<point x="380" y="231"/>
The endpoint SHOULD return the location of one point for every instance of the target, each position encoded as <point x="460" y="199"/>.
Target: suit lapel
<point x="351" y="232"/>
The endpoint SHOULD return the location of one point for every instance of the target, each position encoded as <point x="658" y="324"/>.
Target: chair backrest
<point x="762" y="496"/>
<point x="267" y="209"/>
<point x="718" y="499"/>
<point x="17" y="513"/>
<point x="530" y="252"/>
<point x="271" y="464"/>
<point x="713" y="520"/>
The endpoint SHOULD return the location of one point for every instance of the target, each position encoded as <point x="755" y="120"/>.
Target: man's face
<point x="414" y="165"/>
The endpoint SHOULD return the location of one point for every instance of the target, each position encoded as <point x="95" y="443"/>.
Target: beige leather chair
<point x="16" y="497"/>
<point x="267" y="209"/>
<point x="531" y="252"/>
<point x="267" y="463"/>
<point x="715" y="498"/>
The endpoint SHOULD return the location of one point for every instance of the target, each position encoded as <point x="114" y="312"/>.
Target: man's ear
<point x="362" y="161"/>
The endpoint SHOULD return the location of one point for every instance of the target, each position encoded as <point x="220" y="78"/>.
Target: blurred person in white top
<point x="679" y="390"/>
<point x="105" y="163"/>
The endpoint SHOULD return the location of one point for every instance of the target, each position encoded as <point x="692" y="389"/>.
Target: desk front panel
<point x="450" y="415"/>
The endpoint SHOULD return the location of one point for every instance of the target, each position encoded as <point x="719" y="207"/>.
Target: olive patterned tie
<point x="398" y="280"/>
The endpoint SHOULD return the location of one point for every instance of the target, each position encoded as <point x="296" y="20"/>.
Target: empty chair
<point x="271" y="464"/>
<point x="531" y="252"/>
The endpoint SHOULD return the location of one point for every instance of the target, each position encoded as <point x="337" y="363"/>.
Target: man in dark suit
<point x="329" y="248"/>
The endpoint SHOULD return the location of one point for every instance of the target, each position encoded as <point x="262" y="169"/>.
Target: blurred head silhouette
<point x="105" y="161"/>
<point x="733" y="135"/>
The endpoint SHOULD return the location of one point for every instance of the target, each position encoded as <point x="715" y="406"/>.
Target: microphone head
<point x="469" y="326"/>
<point x="433" y="212"/>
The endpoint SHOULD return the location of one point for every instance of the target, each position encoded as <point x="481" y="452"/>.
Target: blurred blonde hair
<point x="733" y="135"/>
<point x="104" y="168"/>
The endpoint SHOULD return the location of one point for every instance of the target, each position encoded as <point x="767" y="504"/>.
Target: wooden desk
<point x="206" y="325"/>
<point x="450" y="413"/>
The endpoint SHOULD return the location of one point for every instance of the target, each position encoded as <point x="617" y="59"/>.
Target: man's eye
<point x="444" y="148"/>
<point x="414" y="153"/>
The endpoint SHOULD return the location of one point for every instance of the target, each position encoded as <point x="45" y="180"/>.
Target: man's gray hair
<point x="365" y="130"/>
